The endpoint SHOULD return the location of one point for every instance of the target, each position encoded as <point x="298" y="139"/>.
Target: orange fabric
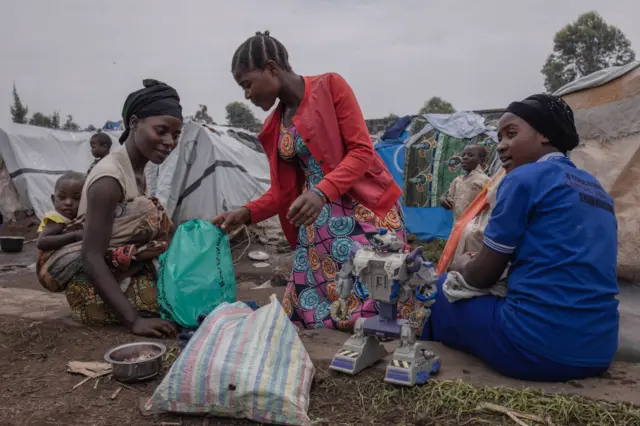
<point x="331" y="123"/>
<point x="475" y="208"/>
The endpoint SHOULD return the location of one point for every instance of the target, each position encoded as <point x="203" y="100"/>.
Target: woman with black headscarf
<point x="123" y="222"/>
<point x="556" y="227"/>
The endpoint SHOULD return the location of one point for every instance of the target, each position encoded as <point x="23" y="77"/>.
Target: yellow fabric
<point x="52" y="216"/>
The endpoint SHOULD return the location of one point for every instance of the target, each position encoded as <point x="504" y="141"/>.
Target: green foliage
<point x="70" y="125"/>
<point x="90" y="128"/>
<point x="41" y="120"/>
<point x="239" y="115"/>
<point x="202" y="116"/>
<point x="19" y="112"/>
<point x="437" y="105"/>
<point x="55" y="120"/>
<point x="584" y="47"/>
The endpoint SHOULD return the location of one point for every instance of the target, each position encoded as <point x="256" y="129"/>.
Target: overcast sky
<point x="84" y="56"/>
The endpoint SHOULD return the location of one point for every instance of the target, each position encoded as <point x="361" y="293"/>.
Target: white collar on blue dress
<point x="550" y="156"/>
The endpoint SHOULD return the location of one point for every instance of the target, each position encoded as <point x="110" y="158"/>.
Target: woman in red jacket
<point x="328" y="186"/>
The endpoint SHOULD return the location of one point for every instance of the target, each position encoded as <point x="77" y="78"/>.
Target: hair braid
<point x="257" y="51"/>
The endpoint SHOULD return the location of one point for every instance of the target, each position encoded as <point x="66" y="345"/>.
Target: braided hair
<point x="256" y="51"/>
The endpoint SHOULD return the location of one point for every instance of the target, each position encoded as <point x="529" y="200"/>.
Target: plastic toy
<point x="389" y="272"/>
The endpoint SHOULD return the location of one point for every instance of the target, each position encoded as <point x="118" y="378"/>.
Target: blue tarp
<point x="425" y="223"/>
<point x="112" y="125"/>
<point x="398" y="128"/>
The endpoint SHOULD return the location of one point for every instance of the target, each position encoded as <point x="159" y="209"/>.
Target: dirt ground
<point x="37" y="390"/>
<point x="37" y="340"/>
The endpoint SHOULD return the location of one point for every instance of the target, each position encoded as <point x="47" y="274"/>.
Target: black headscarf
<point x="551" y="116"/>
<point x="155" y="99"/>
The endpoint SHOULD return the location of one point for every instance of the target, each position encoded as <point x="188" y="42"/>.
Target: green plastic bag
<point x="196" y="273"/>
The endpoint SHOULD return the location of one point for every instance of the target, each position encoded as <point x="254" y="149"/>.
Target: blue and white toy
<point x="390" y="273"/>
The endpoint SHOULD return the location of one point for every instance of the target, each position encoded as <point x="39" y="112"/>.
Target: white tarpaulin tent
<point x="34" y="158"/>
<point x="209" y="172"/>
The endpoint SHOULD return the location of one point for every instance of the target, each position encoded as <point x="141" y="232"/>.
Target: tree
<point x="202" y="115"/>
<point x="90" y="128"/>
<point x="55" y="120"/>
<point x="70" y="125"/>
<point x="239" y="115"/>
<point x="584" y="47"/>
<point x="19" y="112"/>
<point x="435" y="105"/>
<point x="41" y="120"/>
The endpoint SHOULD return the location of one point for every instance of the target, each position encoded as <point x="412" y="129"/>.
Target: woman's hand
<point x="306" y="209"/>
<point x="445" y="203"/>
<point x="153" y="327"/>
<point x="230" y="221"/>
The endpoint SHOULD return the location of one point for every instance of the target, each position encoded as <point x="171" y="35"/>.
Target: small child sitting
<point x="464" y="189"/>
<point x="66" y="199"/>
<point x="100" y="147"/>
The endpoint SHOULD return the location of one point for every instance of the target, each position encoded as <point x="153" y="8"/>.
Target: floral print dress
<point x="325" y="245"/>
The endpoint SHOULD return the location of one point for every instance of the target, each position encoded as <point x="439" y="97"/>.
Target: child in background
<point x="464" y="189"/>
<point x="66" y="199"/>
<point x="100" y="147"/>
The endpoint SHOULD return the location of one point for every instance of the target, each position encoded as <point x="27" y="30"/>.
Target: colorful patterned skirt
<point x="88" y="307"/>
<point x="321" y="250"/>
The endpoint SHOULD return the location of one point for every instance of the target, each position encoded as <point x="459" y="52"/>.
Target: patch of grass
<point x="432" y="249"/>
<point x="169" y="358"/>
<point x="371" y="401"/>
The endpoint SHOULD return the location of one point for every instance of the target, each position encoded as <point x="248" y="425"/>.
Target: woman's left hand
<point x="305" y="209"/>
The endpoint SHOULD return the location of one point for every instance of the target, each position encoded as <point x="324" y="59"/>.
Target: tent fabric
<point x="397" y="128"/>
<point x="425" y="224"/>
<point x="113" y="125"/>
<point x="607" y="121"/>
<point x="462" y="125"/>
<point x="596" y="79"/>
<point x="433" y="161"/>
<point x="210" y="171"/>
<point x="432" y="164"/>
<point x="10" y="204"/>
<point x="35" y="157"/>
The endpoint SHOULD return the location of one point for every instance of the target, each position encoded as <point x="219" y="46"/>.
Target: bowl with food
<point x="136" y="362"/>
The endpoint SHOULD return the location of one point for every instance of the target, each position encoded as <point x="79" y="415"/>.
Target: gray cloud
<point x="84" y="56"/>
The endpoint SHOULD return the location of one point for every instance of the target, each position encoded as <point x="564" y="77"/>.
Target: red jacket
<point x="331" y="123"/>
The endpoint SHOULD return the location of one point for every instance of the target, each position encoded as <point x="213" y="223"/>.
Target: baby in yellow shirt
<point x="66" y="199"/>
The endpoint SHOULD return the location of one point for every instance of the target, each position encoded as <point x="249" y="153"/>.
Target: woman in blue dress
<point x="555" y="225"/>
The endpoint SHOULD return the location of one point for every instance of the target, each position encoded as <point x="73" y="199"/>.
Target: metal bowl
<point x="128" y="368"/>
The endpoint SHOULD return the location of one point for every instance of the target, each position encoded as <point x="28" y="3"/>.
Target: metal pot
<point x="11" y="244"/>
<point x="135" y="371"/>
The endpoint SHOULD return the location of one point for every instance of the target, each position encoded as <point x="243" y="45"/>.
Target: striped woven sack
<point x="244" y="364"/>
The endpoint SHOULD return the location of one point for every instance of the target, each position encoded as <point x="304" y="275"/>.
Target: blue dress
<point x="560" y="318"/>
